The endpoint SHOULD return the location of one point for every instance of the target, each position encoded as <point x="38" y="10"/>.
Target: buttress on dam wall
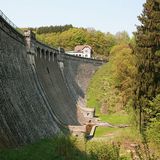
<point x="42" y="90"/>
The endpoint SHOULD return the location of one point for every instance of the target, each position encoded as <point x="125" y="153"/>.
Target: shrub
<point x="153" y="132"/>
<point x="101" y="151"/>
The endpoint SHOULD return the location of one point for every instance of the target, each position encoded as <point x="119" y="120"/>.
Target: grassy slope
<point x="57" y="148"/>
<point x="111" y="87"/>
<point x="109" y="97"/>
<point x="63" y="148"/>
<point x="103" y="84"/>
<point x="116" y="118"/>
<point x="96" y="84"/>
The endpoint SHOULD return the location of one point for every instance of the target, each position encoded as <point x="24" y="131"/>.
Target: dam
<point x="42" y="89"/>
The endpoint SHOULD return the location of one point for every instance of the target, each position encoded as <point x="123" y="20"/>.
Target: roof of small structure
<point x="79" y="48"/>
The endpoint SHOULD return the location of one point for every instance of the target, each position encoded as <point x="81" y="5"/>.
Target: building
<point x="81" y="51"/>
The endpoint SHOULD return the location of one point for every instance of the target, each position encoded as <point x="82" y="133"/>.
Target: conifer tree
<point x="148" y="55"/>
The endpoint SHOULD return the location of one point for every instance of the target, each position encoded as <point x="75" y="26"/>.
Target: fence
<point x="10" y="22"/>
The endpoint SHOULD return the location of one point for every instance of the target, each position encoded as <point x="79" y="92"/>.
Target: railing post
<point x="10" y="22"/>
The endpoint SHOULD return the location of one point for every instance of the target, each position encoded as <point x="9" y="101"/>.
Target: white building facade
<point x="82" y="51"/>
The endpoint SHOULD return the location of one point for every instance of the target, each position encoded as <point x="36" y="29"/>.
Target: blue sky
<point x="104" y="15"/>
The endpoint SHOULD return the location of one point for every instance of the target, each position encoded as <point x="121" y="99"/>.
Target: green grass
<point x="103" y="131"/>
<point x="95" y="86"/>
<point x="58" y="148"/>
<point x="38" y="151"/>
<point x="115" y="119"/>
<point x="118" y="134"/>
<point x="123" y="136"/>
<point x="62" y="148"/>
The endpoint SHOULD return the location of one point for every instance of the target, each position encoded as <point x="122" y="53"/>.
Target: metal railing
<point x="10" y="22"/>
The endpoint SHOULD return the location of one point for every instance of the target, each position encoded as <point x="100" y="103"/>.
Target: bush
<point x="101" y="151"/>
<point x="153" y="132"/>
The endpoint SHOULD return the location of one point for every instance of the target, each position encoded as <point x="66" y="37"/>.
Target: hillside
<point x="114" y="85"/>
<point x="68" y="37"/>
<point x="113" y="82"/>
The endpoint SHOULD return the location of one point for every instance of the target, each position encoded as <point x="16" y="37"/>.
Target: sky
<point x="104" y="15"/>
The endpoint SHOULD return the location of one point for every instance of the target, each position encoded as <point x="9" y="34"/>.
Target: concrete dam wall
<point x="40" y="88"/>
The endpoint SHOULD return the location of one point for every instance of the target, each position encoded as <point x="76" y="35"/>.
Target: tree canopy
<point x="99" y="41"/>
<point x="148" y="78"/>
<point x="51" y="29"/>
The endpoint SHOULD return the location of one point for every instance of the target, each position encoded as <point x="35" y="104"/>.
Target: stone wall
<point x="56" y="91"/>
<point x="78" y="72"/>
<point x="40" y="88"/>
<point x="24" y="113"/>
